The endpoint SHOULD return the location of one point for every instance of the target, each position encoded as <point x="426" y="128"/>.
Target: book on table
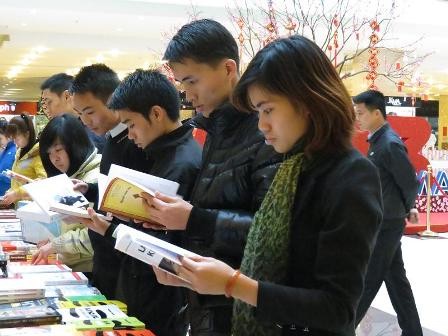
<point x="90" y="313"/>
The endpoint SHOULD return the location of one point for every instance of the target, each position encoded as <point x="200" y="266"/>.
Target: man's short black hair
<point x="373" y="100"/>
<point x="57" y="83"/>
<point x="98" y="79"/>
<point x="143" y="89"/>
<point x="203" y="41"/>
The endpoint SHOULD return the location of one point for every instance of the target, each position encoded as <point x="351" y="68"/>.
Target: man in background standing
<point x="399" y="189"/>
<point x="56" y="100"/>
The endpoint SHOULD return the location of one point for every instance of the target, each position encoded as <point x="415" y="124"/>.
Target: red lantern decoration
<point x="373" y="62"/>
<point x="271" y="26"/>
<point x="335" y="38"/>
<point x="397" y="66"/>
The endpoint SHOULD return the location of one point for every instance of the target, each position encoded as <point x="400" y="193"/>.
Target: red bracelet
<point x="231" y="283"/>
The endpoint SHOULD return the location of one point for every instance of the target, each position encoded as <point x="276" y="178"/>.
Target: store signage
<point x="10" y="107"/>
<point x="402" y="101"/>
<point x="393" y="101"/>
<point x="5" y="108"/>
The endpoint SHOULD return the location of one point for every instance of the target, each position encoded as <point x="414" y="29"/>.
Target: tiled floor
<point x="379" y="323"/>
<point x="426" y="263"/>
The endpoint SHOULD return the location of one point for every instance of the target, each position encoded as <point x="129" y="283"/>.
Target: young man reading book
<point x="237" y="166"/>
<point x="149" y="105"/>
<point x="91" y="89"/>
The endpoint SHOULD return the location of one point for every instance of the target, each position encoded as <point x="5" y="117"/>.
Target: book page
<point x="56" y="189"/>
<point x="102" y="185"/>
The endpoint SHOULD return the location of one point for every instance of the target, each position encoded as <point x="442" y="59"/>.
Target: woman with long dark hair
<point x="65" y="148"/>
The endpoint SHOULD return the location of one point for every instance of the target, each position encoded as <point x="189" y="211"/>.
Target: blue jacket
<point x="6" y="160"/>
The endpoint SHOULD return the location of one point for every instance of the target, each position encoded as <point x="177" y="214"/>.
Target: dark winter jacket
<point x="398" y="179"/>
<point x="237" y="170"/>
<point x="175" y="156"/>
<point x="336" y="217"/>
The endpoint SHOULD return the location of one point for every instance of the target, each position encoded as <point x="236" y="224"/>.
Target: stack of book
<point x="10" y="226"/>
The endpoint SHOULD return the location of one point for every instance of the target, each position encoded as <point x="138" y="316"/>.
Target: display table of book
<point x="51" y="299"/>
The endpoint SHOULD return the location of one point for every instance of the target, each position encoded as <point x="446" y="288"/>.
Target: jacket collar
<point x="378" y="133"/>
<point x="90" y="159"/>
<point x="222" y="118"/>
<point x="9" y="145"/>
<point x="172" y="139"/>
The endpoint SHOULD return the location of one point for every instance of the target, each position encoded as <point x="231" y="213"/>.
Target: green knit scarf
<point x="267" y="250"/>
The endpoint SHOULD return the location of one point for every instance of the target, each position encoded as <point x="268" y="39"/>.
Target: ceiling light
<point x="100" y="59"/>
<point x="13" y="89"/>
<point x="114" y="52"/>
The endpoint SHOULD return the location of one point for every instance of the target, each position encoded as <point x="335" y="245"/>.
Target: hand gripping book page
<point x="120" y="193"/>
<point x="149" y="249"/>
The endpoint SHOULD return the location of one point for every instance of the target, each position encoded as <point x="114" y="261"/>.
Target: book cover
<point x="93" y="297"/>
<point x="44" y="330"/>
<point x="25" y="267"/>
<point x="128" y="323"/>
<point x="149" y="249"/>
<point x="7" y="214"/>
<point x="70" y="290"/>
<point x="45" y="302"/>
<point x="119" y="193"/>
<point x="89" y="303"/>
<point x="15" y="245"/>
<point x="28" y="316"/>
<point x="56" y="278"/>
<point x="118" y="333"/>
<point x="91" y="313"/>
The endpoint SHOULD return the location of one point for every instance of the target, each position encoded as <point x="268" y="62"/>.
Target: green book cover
<point x="128" y="323"/>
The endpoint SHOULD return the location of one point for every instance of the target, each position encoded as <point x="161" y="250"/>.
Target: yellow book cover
<point x="122" y="197"/>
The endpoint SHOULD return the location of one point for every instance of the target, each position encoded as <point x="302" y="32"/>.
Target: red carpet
<point x="438" y="220"/>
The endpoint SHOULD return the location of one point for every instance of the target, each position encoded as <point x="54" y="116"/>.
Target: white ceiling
<point x="128" y="34"/>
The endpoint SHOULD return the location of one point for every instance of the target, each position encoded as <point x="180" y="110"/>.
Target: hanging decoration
<point x="166" y="70"/>
<point x="271" y="26"/>
<point x="335" y="38"/>
<point x="240" y="23"/>
<point x="290" y="26"/>
<point x="373" y="58"/>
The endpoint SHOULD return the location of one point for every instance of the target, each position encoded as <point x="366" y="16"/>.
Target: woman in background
<point x="310" y="242"/>
<point x="7" y="156"/>
<point x="65" y="148"/>
<point x="27" y="160"/>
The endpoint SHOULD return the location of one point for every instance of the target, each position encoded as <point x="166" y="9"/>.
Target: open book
<point x="149" y="249"/>
<point x="16" y="176"/>
<point x="119" y="192"/>
<point x="53" y="198"/>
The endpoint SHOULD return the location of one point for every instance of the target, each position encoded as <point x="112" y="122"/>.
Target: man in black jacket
<point x="237" y="166"/>
<point x="399" y="189"/>
<point x="149" y="105"/>
<point x="91" y="89"/>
